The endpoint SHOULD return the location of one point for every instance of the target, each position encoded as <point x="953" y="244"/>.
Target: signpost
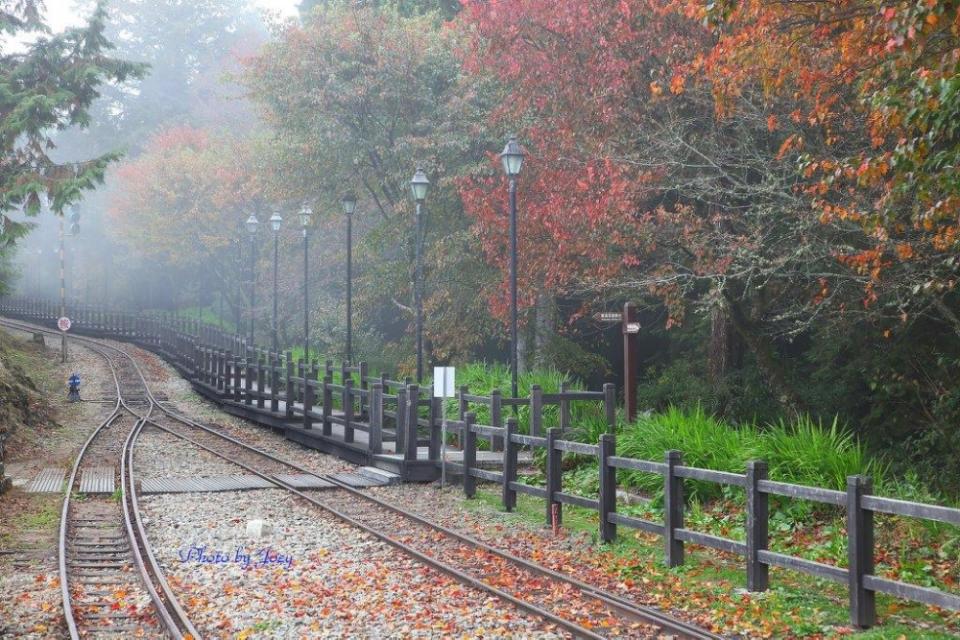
<point x="444" y="385"/>
<point x="630" y="326"/>
<point x="64" y="325"/>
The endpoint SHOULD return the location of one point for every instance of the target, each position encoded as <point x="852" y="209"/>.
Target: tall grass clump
<point x="704" y="441"/>
<point x="481" y="378"/>
<point x="802" y="452"/>
<point x="806" y="452"/>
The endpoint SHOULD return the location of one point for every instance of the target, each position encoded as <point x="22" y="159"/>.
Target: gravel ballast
<point x="326" y="579"/>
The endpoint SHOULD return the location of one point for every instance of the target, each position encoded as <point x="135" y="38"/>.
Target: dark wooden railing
<point x="857" y="500"/>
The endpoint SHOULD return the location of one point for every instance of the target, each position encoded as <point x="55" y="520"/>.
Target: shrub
<point x="802" y="452"/>
<point x="704" y="441"/>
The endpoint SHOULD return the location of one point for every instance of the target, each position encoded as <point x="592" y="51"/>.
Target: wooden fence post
<point x="307" y="404"/>
<point x="376" y="418"/>
<point x="400" y="434"/>
<point x="274" y="359"/>
<point x="672" y="510"/>
<point x="436" y="420"/>
<point x="289" y="394"/>
<point x="863" y="611"/>
<point x="758" y="515"/>
<point x="510" y="465"/>
<point x="413" y="420"/>
<point x="469" y="455"/>
<point x="364" y="386"/>
<point x="608" y="487"/>
<point x="496" y="418"/>
<point x="248" y="372"/>
<point x="564" y="408"/>
<point x="236" y="371"/>
<point x="554" y="478"/>
<point x="610" y="406"/>
<point x="348" y="410"/>
<point x="462" y="414"/>
<point x="327" y="404"/>
<point x="536" y="410"/>
<point x="261" y="380"/>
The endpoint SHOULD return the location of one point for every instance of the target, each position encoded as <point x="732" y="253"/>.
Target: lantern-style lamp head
<point x="349" y="202"/>
<point x="275" y="221"/>
<point x="512" y="158"/>
<point x="306" y="213"/>
<point x="252" y="224"/>
<point x="419" y="185"/>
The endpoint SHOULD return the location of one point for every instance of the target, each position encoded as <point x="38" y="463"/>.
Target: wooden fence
<point x="857" y="500"/>
<point x="315" y="398"/>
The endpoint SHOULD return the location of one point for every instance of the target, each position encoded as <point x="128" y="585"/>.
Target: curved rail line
<point x="624" y="606"/>
<point x="175" y="621"/>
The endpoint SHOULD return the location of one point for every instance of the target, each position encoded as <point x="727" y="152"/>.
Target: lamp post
<point x="275" y="222"/>
<point x="238" y="309"/>
<point x="74" y="230"/>
<point x="306" y="213"/>
<point x="512" y="159"/>
<point x="252" y="225"/>
<point x="349" y="204"/>
<point x="63" y="296"/>
<point x="419" y="186"/>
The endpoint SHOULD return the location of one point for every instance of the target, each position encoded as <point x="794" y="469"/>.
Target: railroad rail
<point x="424" y="539"/>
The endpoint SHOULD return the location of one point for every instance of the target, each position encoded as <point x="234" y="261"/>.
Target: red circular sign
<point x="64" y="324"/>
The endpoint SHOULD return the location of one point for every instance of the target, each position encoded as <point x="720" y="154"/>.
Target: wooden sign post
<point x="630" y="324"/>
<point x="631" y="343"/>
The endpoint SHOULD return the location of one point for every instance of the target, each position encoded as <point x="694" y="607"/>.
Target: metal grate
<point x="49" y="480"/>
<point x="357" y="480"/>
<point x="244" y="482"/>
<point x="97" y="480"/>
<point x="303" y="481"/>
<point x="203" y="485"/>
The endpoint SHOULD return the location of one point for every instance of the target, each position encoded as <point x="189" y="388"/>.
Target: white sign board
<point x="444" y="386"/>
<point x="64" y="324"/>
<point x="444" y="382"/>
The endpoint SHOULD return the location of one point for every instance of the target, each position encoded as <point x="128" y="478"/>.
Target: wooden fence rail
<point x="857" y="500"/>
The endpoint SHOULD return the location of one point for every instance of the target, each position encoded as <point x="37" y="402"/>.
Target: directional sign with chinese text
<point x="608" y="316"/>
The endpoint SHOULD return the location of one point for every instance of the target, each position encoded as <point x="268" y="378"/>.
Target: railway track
<point x="110" y="585"/>
<point x="576" y="607"/>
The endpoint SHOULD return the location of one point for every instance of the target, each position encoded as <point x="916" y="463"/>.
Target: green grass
<point x="46" y="515"/>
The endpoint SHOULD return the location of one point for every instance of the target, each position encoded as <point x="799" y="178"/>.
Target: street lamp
<point x="419" y="186"/>
<point x="275" y="221"/>
<point x="349" y="204"/>
<point x="75" y="229"/>
<point x="252" y="225"/>
<point x="512" y="159"/>
<point x="306" y="213"/>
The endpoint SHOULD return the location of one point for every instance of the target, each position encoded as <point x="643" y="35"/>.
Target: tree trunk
<point x="725" y="352"/>
<point x="545" y="325"/>
<point x="762" y="349"/>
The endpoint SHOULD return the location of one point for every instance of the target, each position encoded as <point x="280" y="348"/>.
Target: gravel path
<point x="326" y="579"/>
